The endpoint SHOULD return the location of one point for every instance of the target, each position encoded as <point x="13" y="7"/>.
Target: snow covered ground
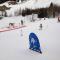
<point x="14" y="45"/>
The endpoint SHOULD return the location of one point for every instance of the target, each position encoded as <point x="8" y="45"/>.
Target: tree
<point x="3" y="9"/>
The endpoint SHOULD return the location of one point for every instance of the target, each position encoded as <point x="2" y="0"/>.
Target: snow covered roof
<point x="57" y="2"/>
<point x="33" y="4"/>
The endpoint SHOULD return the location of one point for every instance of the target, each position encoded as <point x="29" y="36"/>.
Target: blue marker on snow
<point x="34" y="43"/>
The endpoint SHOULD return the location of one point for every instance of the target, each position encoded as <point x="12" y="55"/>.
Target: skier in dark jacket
<point x="21" y="22"/>
<point x="40" y="27"/>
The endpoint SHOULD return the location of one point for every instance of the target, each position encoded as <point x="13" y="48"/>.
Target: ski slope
<point x="14" y="45"/>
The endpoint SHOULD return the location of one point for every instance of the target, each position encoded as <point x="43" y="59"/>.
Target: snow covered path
<point x="14" y="44"/>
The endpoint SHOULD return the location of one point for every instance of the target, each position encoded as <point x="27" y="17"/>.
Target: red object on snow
<point x="9" y="29"/>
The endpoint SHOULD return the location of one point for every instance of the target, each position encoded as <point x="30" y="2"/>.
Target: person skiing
<point x="40" y="27"/>
<point x="21" y="22"/>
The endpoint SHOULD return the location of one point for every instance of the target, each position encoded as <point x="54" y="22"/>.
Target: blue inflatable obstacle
<point x="34" y="43"/>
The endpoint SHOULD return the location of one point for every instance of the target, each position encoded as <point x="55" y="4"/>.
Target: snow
<point x="32" y="4"/>
<point x="14" y="45"/>
<point x="57" y="2"/>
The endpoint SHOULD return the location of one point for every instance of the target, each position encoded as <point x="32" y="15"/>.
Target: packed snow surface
<point x="14" y="45"/>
